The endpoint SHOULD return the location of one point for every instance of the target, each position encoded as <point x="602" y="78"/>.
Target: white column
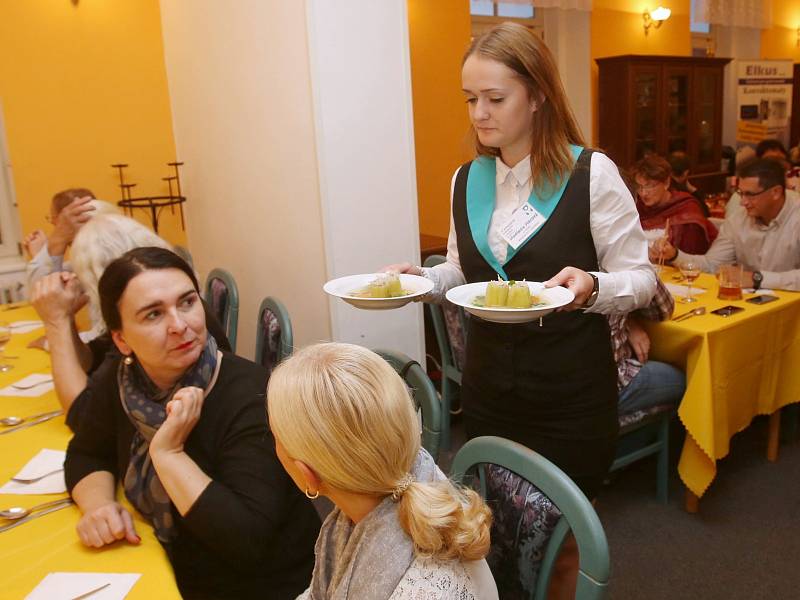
<point x="361" y="87"/>
<point x="738" y="43"/>
<point x="568" y="35"/>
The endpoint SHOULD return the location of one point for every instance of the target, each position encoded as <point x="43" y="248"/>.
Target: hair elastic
<point x="401" y="487"/>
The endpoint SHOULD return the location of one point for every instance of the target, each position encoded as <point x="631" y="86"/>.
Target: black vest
<point x="560" y="376"/>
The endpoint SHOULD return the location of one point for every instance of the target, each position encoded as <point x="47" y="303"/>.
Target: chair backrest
<point x="535" y="505"/>
<point x="450" y="327"/>
<point x="222" y="295"/>
<point x="274" y="339"/>
<point x="424" y="394"/>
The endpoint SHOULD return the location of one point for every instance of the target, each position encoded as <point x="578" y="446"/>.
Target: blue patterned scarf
<point x="145" y="406"/>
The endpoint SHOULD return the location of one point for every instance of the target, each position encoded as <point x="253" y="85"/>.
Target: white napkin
<point x="759" y="292"/>
<point x="41" y="382"/>
<point x="65" y="586"/>
<point x="44" y="462"/>
<point x="25" y="326"/>
<point x="679" y="291"/>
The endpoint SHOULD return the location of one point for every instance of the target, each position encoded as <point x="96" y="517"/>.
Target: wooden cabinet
<point x="661" y="104"/>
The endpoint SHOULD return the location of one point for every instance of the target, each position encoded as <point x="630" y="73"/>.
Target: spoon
<point x="18" y="512"/>
<point x="700" y="310"/>
<point x="12" y="421"/>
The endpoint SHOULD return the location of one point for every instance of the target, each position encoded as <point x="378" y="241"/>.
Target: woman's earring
<point x="313" y="496"/>
<point x="128" y="360"/>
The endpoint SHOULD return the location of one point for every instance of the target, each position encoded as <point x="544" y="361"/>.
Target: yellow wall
<point x="83" y="86"/>
<point x="617" y="29"/>
<point x="781" y="40"/>
<point x="439" y="34"/>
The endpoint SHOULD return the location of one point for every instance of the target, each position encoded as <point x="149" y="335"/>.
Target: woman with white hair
<point x="59" y="296"/>
<point x="345" y="427"/>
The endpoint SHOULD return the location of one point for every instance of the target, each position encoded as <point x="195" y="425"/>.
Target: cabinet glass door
<point x="645" y="114"/>
<point x="706" y="120"/>
<point x="676" y="110"/>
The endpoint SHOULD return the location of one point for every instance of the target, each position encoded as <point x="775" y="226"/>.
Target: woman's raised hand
<point x="402" y="268"/>
<point x="575" y="280"/>
<point x="183" y="412"/>
<point x="662" y="251"/>
<point x="106" y="524"/>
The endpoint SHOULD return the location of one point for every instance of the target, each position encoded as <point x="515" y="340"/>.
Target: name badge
<point x="523" y="222"/>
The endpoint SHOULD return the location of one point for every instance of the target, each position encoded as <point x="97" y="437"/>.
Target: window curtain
<point x="734" y="13"/>
<point x="564" y="4"/>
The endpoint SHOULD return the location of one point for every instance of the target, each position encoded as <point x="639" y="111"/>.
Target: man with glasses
<point x="764" y="236"/>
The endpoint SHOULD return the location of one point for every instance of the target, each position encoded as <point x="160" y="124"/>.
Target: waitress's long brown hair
<point x="554" y="125"/>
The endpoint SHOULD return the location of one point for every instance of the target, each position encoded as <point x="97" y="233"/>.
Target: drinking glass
<point x="5" y="337"/>
<point x="690" y="271"/>
<point x="730" y="282"/>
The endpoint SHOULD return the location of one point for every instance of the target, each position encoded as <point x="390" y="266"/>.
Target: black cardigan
<point x="251" y="533"/>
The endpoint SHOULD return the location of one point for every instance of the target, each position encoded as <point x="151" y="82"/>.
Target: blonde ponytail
<point x="445" y="521"/>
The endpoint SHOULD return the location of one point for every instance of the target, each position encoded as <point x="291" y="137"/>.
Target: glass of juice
<point x="730" y="282"/>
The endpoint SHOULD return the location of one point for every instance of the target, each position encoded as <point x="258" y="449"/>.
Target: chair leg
<point x="662" y="468"/>
<point x="446" y="391"/>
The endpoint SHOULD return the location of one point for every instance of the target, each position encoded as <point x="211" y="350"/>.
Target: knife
<point x="67" y="502"/>
<point x="42" y="419"/>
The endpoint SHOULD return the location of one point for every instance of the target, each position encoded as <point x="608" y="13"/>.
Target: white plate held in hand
<point x="345" y="287"/>
<point x="555" y="297"/>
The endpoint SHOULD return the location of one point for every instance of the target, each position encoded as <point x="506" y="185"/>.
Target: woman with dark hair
<point x="182" y="426"/>
<point x="660" y="205"/>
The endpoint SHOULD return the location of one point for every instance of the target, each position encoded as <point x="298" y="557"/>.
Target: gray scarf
<point x="145" y="406"/>
<point x="368" y="559"/>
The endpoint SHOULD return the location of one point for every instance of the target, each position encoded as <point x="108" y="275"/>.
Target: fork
<point x="31" y="386"/>
<point x="35" y="479"/>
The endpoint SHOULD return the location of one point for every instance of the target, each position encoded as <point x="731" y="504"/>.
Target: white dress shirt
<point x="626" y="280"/>
<point x="773" y="249"/>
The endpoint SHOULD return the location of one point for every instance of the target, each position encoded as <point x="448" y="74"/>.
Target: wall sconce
<point x="654" y="18"/>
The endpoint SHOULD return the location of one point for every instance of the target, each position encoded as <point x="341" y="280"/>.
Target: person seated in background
<point x="181" y="425"/>
<point x="658" y="203"/>
<point x="58" y="297"/>
<point x="345" y="427"/>
<point x="774" y="150"/>
<point x="644" y="383"/>
<point x="679" y="165"/>
<point x="69" y="210"/>
<point x="764" y="236"/>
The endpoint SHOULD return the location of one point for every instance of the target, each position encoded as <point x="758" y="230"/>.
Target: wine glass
<point x="5" y="337"/>
<point x="690" y="271"/>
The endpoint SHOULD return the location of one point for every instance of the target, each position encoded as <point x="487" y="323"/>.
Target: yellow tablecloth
<point x="49" y="544"/>
<point x="737" y="367"/>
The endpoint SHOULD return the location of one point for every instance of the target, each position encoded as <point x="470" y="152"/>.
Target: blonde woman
<point x="345" y="427"/>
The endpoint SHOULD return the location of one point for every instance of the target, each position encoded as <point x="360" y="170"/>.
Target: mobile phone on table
<point x="762" y="299"/>
<point x="727" y="311"/>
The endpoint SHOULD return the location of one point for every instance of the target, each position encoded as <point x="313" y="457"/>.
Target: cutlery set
<point x="31" y="421"/>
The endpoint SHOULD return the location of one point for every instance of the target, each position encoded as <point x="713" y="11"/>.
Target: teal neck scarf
<point x="481" y="199"/>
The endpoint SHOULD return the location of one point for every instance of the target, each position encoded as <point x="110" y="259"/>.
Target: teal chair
<point x="644" y="433"/>
<point x="424" y="395"/>
<point x="535" y="505"/>
<point x="222" y="296"/>
<point x="449" y="324"/>
<point x="274" y="338"/>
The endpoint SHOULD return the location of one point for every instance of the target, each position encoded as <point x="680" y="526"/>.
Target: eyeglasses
<point x="647" y="187"/>
<point x="746" y="194"/>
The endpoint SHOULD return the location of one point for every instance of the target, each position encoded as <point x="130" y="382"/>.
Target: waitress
<point x="536" y="204"/>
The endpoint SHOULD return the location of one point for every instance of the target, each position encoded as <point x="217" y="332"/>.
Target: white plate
<point x="463" y="295"/>
<point x="343" y="288"/>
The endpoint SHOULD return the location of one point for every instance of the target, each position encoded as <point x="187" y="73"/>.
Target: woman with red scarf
<point x="659" y="207"/>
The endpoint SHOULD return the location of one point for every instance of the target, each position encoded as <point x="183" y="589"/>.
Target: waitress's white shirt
<point x="626" y="278"/>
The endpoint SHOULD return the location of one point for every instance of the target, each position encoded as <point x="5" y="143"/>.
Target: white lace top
<point x="431" y="579"/>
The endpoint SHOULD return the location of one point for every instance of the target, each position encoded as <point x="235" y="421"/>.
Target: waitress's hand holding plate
<point x="352" y="288"/>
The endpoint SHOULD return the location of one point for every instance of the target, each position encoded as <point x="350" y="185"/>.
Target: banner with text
<point x="764" y="104"/>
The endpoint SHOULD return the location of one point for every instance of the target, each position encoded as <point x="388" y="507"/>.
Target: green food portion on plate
<point x="512" y="294"/>
<point x="383" y="286"/>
